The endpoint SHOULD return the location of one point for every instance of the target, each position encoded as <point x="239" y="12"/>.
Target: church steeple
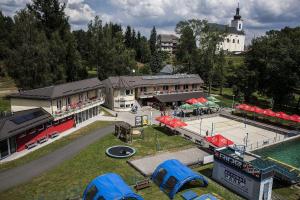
<point x="237" y="21"/>
<point x="237" y="15"/>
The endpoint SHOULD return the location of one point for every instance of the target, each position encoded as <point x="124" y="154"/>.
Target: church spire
<point x="237" y="15"/>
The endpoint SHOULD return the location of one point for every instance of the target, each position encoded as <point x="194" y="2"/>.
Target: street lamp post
<point x="232" y="101"/>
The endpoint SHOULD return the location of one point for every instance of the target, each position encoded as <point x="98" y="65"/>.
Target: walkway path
<point x="147" y="165"/>
<point x="25" y="173"/>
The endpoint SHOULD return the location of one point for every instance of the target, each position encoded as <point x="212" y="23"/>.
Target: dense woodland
<point x="38" y="48"/>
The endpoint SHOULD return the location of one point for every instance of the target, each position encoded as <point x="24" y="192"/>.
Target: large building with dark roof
<point x="79" y="99"/>
<point x="167" y="43"/>
<point x="41" y="113"/>
<point x="124" y="92"/>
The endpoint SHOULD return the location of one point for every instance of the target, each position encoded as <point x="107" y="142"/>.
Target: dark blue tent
<point x="171" y="175"/>
<point x="107" y="187"/>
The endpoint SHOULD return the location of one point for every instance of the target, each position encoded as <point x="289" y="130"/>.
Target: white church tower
<point x="234" y="42"/>
<point x="237" y="21"/>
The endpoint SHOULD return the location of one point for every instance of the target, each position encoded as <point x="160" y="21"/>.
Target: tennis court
<point x="231" y="129"/>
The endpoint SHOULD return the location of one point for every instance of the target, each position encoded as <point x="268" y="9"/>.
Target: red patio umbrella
<point x="175" y="123"/>
<point x="256" y="109"/>
<point x="269" y="113"/>
<point x="192" y="101"/>
<point x="164" y="119"/>
<point x="244" y="107"/>
<point x="219" y="140"/>
<point x="282" y="115"/>
<point x="202" y="100"/>
<point x="295" y="118"/>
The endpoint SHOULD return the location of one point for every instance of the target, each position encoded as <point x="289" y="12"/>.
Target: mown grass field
<point x="70" y="178"/>
<point x="55" y="145"/>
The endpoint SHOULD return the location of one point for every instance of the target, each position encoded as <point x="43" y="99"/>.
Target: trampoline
<point x="120" y="151"/>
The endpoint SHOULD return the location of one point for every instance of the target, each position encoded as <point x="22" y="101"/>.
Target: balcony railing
<point x="169" y="92"/>
<point x="75" y="107"/>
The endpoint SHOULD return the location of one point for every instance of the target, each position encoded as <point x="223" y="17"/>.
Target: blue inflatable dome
<point x="171" y="175"/>
<point x="107" y="187"/>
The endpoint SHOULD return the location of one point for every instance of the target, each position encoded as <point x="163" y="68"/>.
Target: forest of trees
<point x="38" y="48"/>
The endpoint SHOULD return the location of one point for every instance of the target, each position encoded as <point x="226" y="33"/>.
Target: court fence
<point x="266" y="142"/>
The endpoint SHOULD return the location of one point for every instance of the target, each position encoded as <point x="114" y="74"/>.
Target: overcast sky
<point x="258" y="15"/>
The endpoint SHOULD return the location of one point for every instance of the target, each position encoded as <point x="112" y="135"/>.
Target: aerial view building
<point x="154" y="100"/>
<point x="167" y="43"/>
<point x="123" y="92"/>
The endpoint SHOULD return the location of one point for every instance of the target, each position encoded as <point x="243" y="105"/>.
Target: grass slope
<point x="70" y="178"/>
<point x="55" y="145"/>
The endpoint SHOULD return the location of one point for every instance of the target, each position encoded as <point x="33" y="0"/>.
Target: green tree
<point x="28" y="62"/>
<point x="274" y="59"/>
<point x="128" y="37"/>
<point x="152" y="41"/>
<point x="209" y="38"/>
<point x="156" y="62"/>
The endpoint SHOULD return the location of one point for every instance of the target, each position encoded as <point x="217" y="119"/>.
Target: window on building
<point x="238" y="41"/>
<point x="58" y="104"/>
<point x="228" y="40"/>
<point x="143" y="89"/>
<point x="165" y="87"/>
<point x="185" y="87"/>
<point x="128" y="92"/>
<point x="233" y="41"/>
<point x="240" y="26"/>
<point x="194" y="86"/>
<point x="177" y="87"/>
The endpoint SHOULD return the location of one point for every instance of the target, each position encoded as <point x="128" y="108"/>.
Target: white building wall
<point x="233" y="43"/>
<point x="27" y="104"/>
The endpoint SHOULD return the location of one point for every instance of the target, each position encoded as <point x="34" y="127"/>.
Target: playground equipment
<point x="126" y="132"/>
<point x="120" y="151"/>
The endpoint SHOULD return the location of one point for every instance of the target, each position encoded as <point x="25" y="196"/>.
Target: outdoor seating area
<point x="268" y="113"/>
<point x="198" y="106"/>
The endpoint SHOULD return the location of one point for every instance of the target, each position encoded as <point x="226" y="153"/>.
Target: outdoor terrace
<point x="74" y="108"/>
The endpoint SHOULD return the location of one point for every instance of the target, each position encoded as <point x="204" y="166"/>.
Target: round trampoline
<point x="120" y="151"/>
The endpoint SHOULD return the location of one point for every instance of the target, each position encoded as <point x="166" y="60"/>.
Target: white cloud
<point x="258" y="15"/>
<point x="79" y="12"/>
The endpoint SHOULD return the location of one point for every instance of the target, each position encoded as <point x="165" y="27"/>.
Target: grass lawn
<point x="4" y="104"/>
<point x="55" y="145"/>
<point x="70" y="178"/>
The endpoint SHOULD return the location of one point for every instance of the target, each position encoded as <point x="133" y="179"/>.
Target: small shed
<point x="107" y="187"/>
<point x="123" y="131"/>
<point x="172" y="175"/>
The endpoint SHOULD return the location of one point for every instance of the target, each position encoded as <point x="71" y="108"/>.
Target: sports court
<point x="231" y="129"/>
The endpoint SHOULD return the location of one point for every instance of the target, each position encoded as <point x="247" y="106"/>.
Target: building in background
<point x="234" y="41"/>
<point x="167" y="43"/>
<point x="124" y="92"/>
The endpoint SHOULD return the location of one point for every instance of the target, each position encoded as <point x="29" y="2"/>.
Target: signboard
<point x="138" y="120"/>
<point x="244" y="166"/>
<point x="233" y="179"/>
<point x="145" y="120"/>
<point x="141" y="120"/>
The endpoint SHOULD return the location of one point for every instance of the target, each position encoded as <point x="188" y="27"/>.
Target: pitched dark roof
<point x="143" y="81"/>
<point x="60" y="90"/>
<point x="167" y="38"/>
<point x="22" y="121"/>
<point x="167" y="70"/>
<point x="225" y="28"/>
<point x="179" y="97"/>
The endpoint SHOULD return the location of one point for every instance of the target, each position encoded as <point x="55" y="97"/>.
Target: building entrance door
<point x="3" y="149"/>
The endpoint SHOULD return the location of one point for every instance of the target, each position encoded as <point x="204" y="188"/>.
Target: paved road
<point x="25" y="173"/>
